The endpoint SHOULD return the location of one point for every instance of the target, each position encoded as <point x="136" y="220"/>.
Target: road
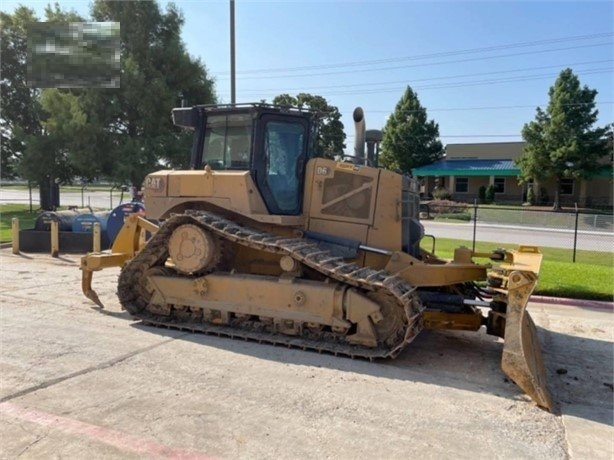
<point x="79" y="380"/>
<point x="593" y="241"/>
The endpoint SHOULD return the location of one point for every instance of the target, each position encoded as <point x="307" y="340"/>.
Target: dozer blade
<point x="522" y="357"/>
<point x="128" y="242"/>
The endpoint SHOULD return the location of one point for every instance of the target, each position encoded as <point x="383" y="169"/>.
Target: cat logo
<point x="154" y="183"/>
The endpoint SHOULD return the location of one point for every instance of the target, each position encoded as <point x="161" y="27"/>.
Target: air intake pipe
<point x="359" y="140"/>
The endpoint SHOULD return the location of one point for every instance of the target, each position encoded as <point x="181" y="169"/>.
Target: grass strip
<point x="591" y="277"/>
<point x="7" y="212"/>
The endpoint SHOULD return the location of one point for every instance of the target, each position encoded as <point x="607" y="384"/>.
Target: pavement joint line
<point x="27" y="288"/>
<point x="47" y="302"/>
<point x="87" y="370"/>
<point x="118" y="439"/>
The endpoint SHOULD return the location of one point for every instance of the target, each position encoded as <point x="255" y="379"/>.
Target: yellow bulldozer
<point x="263" y="240"/>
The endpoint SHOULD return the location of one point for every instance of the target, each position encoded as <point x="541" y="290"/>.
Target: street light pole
<point x="232" y="53"/>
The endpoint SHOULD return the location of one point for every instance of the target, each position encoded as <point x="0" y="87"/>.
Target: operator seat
<point x="239" y="153"/>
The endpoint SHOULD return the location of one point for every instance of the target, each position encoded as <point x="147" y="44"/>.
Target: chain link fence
<point x="573" y="230"/>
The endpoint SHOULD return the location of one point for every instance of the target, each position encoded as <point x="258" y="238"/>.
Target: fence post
<point x="575" y="234"/>
<point x="55" y="238"/>
<point x="96" y="236"/>
<point x="475" y="220"/>
<point x="15" y="234"/>
<point x="30" y="194"/>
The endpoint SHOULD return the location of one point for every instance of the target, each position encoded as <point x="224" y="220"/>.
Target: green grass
<point x="14" y="186"/>
<point x="7" y="212"/>
<point x="590" y="277"/>
<point x="457" y="216"/>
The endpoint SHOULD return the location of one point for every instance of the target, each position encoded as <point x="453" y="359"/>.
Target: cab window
<point x="228" y="140"/>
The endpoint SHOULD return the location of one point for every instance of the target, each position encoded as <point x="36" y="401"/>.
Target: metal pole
<point x="233" y="98"/>
<point x="575" y="235"/>
<point x="475" y="220"/>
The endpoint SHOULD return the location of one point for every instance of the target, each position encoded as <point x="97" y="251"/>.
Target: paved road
<point x="505" y="235"/>
<point x="76" y="380"/>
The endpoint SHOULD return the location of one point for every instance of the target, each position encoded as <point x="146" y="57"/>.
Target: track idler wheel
<point x="193" y="249"/>
<point x="391" y="328"/>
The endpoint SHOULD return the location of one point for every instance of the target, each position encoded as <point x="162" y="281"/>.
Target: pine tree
<point x="561" y="141"/>
<point x="410" y="140"/>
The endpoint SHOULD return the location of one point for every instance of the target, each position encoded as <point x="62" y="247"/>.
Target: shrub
<point x="482" y="194"/>
<point x="446" y="207"/>
<point x="543" y="196"/>
<point x="530" y="196"/>
<point x="490" y="194"/>
<point x="442" y="194"/>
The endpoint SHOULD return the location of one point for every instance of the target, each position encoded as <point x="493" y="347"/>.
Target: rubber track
<point x="306" y="251"/>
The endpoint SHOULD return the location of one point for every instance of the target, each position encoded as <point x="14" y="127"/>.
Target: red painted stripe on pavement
<point x="101" y="434"/>
<point x="573" y="302"/>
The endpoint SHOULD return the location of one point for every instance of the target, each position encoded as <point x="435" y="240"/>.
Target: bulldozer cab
<point x="272" y="143"/>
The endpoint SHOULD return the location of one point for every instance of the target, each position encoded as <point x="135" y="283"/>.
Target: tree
<point x="21" y="110"/>
<point x="118" y="133"/>
<point x="29" y="148"/>
<point x="561" y="142"/>
<point x="609" y="135"/>
<point x="409" y="139"/>
<point x="157" y="74"/>
<point x="331" y="137"/>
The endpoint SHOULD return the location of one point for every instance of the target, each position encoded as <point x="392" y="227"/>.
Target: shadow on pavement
<point x="466" y="361"/>
<point x="122" y="314"/>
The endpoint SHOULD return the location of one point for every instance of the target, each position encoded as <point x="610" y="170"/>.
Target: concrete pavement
<point x="78" y="381"/>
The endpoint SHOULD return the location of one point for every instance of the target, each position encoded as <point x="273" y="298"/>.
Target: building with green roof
<point x="467" y="167"/>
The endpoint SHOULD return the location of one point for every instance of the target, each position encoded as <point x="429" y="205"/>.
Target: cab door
<point x="280" y="162"/>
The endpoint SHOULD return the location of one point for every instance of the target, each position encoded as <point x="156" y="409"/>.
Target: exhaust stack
<point x="359" y="141"/>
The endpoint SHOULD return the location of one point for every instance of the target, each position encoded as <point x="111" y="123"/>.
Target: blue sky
<point x="479" y="68"/>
